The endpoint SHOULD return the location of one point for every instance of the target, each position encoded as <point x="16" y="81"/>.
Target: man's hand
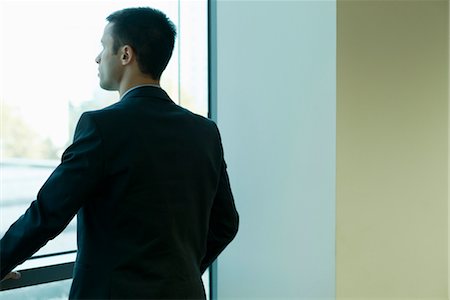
<point x="11" y="275"/>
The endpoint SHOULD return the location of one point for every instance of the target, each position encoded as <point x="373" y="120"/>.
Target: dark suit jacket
<point x="148" y="181"/>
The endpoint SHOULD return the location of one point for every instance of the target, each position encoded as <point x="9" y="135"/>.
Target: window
<point x="48" y="77"/>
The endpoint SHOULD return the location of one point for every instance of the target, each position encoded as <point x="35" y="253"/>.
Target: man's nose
<point x="97" y="59"/>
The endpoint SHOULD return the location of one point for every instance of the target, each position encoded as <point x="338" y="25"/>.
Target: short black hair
<point x="149" y="32"/>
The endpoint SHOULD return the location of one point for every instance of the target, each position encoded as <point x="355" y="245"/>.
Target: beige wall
<point x="392" y="150"/>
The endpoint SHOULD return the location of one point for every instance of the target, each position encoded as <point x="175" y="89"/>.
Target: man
<point x="146" y="178"/>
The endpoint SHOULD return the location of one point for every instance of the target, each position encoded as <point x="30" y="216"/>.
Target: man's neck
<point x="140" y="81"/>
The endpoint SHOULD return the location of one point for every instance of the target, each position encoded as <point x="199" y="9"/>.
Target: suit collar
<point x="146" y="92"/>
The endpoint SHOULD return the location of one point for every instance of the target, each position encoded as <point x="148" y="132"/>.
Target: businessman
<point x="146" y="178"/>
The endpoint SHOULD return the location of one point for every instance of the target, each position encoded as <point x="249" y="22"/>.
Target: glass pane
<point x="50" y="291"/>
<point x="50" y="78"/>
<point x="193" y="53"/>
<point x="205" y="279"/>
<point x="59" y="291"/>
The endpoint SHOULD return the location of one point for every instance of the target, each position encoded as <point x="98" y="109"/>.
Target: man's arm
<point x="224" y="221"/>
<point x="58" y="200"/>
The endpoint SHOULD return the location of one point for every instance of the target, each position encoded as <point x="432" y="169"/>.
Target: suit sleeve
<point x="58" y="200"/>
<point x="224" y="219"/>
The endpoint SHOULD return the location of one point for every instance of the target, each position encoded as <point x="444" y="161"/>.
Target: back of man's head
<point x="149" y="32"/>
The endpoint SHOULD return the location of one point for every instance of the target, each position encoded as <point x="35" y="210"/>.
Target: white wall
<point x="276" y="77"/>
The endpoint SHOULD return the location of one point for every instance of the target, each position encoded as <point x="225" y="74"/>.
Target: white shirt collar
<point x="138" y="86"/>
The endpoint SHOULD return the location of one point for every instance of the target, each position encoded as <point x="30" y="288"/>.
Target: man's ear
<point x="127" y="55"/>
